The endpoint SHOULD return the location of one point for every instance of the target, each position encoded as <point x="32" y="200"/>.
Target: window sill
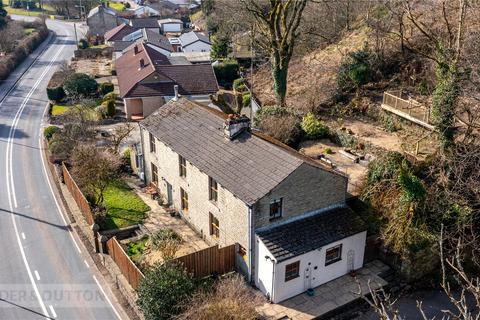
<point x="332" y="262"/>
<point x="275" y="219"/>
<point x="293" y="278"/>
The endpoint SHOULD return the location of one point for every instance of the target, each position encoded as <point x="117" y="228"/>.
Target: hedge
<point x="55" y="93"/>
<point x="23" y="49"/>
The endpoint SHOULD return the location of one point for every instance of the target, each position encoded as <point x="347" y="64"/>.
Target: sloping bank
<point x="26" y="46"/>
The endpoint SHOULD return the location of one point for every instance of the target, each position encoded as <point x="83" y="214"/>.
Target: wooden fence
<point x="124" y="263"/>
<point x="209" y="261"/>
<point x="78" y="196"/>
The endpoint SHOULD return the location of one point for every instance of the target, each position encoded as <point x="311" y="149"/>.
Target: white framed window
<point x="276" y="208"/>
<point x="333" y="254"/>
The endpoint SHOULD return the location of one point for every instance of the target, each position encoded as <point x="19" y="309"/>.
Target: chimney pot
<point x="175" y="89"/>
<point x="235" y="125"/>
<point x="142" y="63"/>
<point x="135" y="50"/>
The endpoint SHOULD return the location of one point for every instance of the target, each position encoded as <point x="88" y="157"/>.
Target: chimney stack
<point x="175" y="89"/>
<point x="235" y="125"/>
<point x="135" y="50"/>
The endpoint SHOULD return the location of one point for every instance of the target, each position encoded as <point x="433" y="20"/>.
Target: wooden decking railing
<point x="407" y="109"/>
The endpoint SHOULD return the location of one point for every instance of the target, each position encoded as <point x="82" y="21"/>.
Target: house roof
<point x="144" y="23"/>
<point x="100" y="8"/>
<point x="295" y="238"/>
<point x="120" y="31"/>
<point x="170" y="20"/>
<point x="196" y="79"/>
<point x="191" y="37"/>
<point x="249" y="166"/>
<point x="119" y="46"/>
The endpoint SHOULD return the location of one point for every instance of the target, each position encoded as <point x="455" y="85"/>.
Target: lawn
<point x="58" y="110"/>
<point x="23" y="12"/>
<point x="99" y="46"/>
<point x="124" y="207"/>
<point x="116" y="5"/>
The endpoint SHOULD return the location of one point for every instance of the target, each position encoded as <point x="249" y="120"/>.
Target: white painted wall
<point x="323" y="274"/>
<point x="198" y="46"/>
<point x="264" y="274"/>
<point x="172" y="27"/>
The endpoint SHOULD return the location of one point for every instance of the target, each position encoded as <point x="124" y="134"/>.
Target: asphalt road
<point x="44" y="271"/>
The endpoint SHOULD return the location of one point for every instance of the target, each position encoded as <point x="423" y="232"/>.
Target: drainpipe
<point x="143" y="154"/>
<point x="273" y="277"/>
<point x="250" y="246"/>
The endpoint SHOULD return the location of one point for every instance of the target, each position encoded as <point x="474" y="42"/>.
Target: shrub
<point x="239" y="84"/>
<point x="109" y="96"/>
<point x="314" y="128"/>
<point x="110" y="108"/>
<point x="49" y="131"/>
<point x="356" y="70"/>
<point x="101" y="111"/>
<point x="127" y="5"/>
<point x="83" y="44"/>
<point x="226" y="72"/>
<point x="80" y="85"/>
<point x="231" y="298"/>
<point x="106" y="87"/>
<point x="220" y="46"/>
<point x="386" y="167"/>
<point x="328" y="151"/>
<point x="164" y="291"/>
<point x="283" y="127"/>
<point x="55" y="93"/>
<point x="246" y="99"/>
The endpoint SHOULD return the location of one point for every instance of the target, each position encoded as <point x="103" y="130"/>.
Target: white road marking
<point x="37" y="275"/>
<point x="86" y="263"/>
<point x="10" y="183"/>
<point x="106" y="297"/>
<point x="54" y="314"/>
<point x="23" y="236"/>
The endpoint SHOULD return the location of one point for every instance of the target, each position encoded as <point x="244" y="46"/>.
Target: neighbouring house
<point x="286" y="212"/>
<point x="145" y="23"/>
<point x="144" y="11"/>
<point x="195" y="42"/>
<point x="147" y="78"/>
<point x="171" y="25"/>
<point x="102" y="19"/>
<point x="123" y="36"/>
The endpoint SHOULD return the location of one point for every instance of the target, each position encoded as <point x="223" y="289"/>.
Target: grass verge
<point x="124" y="207"/>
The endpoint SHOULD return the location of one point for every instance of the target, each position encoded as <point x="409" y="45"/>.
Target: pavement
<point x="44" y="270"/>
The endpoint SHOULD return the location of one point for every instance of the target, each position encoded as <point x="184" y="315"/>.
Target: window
<point x="152" y="142"/>
<point x="292" y="271"/>
<point x="184" y="199"/>
<point x="212" y="189"/>
<point x="182" y="166"/>
<point x="154" y="174"/>
<point x="276" y="209"/>
<point x="214" y="226"/>
<point x="333" y="255"/>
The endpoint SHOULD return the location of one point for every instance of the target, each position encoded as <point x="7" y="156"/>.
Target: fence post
<point x="95" y="228"/>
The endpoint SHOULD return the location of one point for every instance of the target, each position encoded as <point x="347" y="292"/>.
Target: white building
<point x="171" y="25"/>
<point x="195" y="42"/>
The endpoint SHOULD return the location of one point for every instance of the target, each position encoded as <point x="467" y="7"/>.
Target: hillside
<point x="311" y="78"/>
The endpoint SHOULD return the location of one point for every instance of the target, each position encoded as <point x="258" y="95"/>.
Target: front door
<point x="169" y="194"/>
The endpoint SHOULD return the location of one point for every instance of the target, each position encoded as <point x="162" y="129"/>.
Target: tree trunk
<point x="279" y="75"/>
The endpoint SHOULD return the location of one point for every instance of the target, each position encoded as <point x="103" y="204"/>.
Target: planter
<point x="310" y="292"/>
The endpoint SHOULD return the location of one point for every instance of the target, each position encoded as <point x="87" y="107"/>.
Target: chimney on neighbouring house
<point x="142" y="63"/>
<point x="175" y="89"/>
<point x="235" y="125"/>
<point x="135" y="50"/>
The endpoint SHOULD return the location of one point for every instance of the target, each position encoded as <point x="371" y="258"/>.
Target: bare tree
<point x="94" y="169"/>
<point x="277" y="21"/>
<point x="120" y="133"/>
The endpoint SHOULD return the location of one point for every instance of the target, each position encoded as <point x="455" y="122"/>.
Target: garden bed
<point x="124" y="207"/>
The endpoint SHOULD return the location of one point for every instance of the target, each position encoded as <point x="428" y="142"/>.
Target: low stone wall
<point x="92" y="53"/>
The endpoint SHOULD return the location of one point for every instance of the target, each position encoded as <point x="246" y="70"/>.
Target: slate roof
<point x="249" y="166"/>
<point x="191" y="37"/>
<point x="307" y="234"/>
<point x="144" y="23"/>
<point x="198" y="79"/>
<point x="120" y="31"/>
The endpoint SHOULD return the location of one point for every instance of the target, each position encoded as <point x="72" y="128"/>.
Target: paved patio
<point x="327" y="297"/>
<point x="158" y="219"/>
